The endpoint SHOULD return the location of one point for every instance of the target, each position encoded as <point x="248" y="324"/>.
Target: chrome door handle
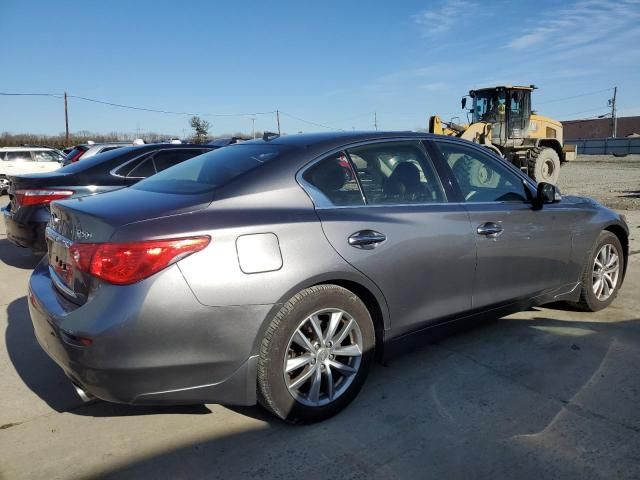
<point x="366" y="239"/>
<point x="490" y="229"/>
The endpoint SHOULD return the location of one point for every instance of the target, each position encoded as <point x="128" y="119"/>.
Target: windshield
<point x="489" y="106"/>
<point x="210" y="170"/>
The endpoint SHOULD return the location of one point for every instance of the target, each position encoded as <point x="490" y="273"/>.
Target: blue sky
<point x="333" y="63"/>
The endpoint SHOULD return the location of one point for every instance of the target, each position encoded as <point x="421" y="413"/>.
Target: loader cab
<point x="507" y="109"/>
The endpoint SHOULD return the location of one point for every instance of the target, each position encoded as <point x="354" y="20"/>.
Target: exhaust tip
<point x="85" y="396"/>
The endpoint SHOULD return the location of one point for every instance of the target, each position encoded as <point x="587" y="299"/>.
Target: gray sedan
<point x="277" y="270"/>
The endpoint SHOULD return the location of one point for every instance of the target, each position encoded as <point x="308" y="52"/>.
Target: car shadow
<point x="17" y="257"/>
<point x="47" y="380"/>
<point x="508" y="395"/>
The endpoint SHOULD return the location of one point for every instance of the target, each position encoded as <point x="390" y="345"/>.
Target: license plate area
<point x="60" y="261"/>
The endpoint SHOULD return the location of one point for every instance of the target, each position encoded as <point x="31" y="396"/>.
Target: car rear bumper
<point x="151" y="345"/>
<point x="27" y="234"/>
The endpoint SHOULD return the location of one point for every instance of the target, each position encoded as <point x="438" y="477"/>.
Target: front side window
<point x="334" y="179"/>
<point x="396" y="173"/>
<point x="481" y="177"/>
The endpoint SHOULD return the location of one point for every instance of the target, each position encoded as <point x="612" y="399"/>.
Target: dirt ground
<point x="614" y="182"/>
<point x="549" y="393"/>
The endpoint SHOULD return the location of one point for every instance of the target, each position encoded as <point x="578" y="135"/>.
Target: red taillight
<point x="77" y="156"/>
<point x="40" y="197"/>
<point x="126" y="263"/>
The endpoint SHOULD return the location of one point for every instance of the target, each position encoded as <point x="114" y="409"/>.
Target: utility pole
<point x="253" y="127"/>
<point x="278" y="120"/>
<point x="375" y="120"/>
<point x="614" y="119"/>
<point x="66" y="121"/>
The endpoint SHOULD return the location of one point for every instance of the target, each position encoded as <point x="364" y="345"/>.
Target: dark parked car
<point x="271" y="271"/>
<point x="27" y="213"/>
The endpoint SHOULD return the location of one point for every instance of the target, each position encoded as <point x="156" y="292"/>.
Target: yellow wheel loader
<point x="501" y="119"/>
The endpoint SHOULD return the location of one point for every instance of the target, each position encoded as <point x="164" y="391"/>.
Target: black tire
<point x="472" y="174"/>
<point x="544" y="165"/>
<point x="273" y="393"/>
<point x="588" y="300"/>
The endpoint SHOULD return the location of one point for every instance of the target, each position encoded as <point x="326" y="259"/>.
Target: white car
<point x="21" y="160"/>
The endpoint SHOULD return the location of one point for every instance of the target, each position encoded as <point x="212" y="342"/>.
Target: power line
<point x="10" y="94"/>
<point x="153" y="110"/>
<point x="144" y="109"/>
<point x="309" y="122"/>
<point x="574" y="96"/>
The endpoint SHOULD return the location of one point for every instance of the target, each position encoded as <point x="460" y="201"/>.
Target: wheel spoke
<point x="329" y="375"/>
<point x="609" y="280"/>
<point x="333" y="325"/>
<point x="596" y="286"/>
<point x="598" y="262"/>
<point x="317" y="328"/>
<point x="316" y="382"/>
<point x="613" y="262"/>
<point x="346" y="370"/>
<point x="605" y="288"/>
<point x="302" y="341"/>
<point x="345" y="331"/>
<point x="302" y="379"/>
<point x="348" y="351"/>
<point x="297" y="362"/>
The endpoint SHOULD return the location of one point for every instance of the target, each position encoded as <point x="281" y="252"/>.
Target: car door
<point x="522" y="251"/>
<point x="384" y="210"/>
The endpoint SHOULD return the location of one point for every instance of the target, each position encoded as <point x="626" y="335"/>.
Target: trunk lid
<point x="95" y="220"/>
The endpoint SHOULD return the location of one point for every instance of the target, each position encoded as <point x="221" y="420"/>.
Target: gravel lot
<point x="548" y="393"/>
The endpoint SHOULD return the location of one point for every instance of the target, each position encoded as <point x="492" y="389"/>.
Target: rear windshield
<point x="82" y="165"/>
<point x="210" y="170"/>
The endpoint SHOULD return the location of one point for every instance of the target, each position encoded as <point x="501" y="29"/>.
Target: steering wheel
<point x="470" y="195"/>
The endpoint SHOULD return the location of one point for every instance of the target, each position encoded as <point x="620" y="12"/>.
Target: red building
<point x="599" y="128"/>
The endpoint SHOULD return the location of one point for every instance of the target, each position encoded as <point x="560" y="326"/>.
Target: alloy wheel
<point x="606" y="269"/>
<point x="323" y="357"/>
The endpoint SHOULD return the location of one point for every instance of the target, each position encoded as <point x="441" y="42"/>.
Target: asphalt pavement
<point x="547" y="393"/>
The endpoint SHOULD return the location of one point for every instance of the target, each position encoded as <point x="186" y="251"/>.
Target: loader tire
<point x="544" y="165"/>
<point x="471" y="173"/>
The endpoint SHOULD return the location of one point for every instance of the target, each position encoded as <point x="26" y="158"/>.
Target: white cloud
<point x="438" y="20"/>
<point x="579" y="23"/>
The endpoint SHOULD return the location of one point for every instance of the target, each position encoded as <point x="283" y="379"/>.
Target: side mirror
<point x="547" y="193"/>
<point x="464" y="102"/>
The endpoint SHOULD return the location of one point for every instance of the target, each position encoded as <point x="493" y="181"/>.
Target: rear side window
<point x="47" y="156"/>
<point x="396" y="173"/>
<point x="144" y="169"/>
<point x="210" y="170"/>
<point x="335" y="180"/>
<point x="18" y="156"/>
<point x="170" y="158"/>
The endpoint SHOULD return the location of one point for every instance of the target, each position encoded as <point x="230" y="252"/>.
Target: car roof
<point x="328" y="139"/>
<point x="26" y="149"/>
